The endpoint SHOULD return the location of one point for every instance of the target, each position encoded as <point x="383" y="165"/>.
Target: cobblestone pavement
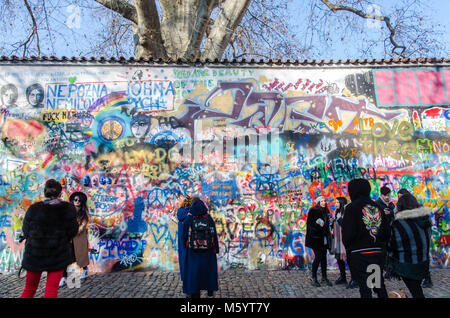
<point x="232" y="284"/>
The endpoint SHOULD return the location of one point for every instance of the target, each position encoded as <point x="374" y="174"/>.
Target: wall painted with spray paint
<point x="259" y="144"/>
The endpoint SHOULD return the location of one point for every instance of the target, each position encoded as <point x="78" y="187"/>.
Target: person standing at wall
<point x="202" y="245"/>
<point x="338" y="247"/>
<point x="182" y="213"/>
<point x="48" y="228"/>
<point x="80" y="245"/>
<point x="427" y="283"/>
<point x="384" y="203"/>
<point x="365" y="232"/>
<point x="318" y="238"/>
<point x="409" y="246"/>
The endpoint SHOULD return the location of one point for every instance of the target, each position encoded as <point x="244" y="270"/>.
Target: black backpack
<point x="201" y="233"/>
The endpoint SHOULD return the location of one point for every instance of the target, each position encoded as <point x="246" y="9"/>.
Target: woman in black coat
<point x="48" y="228"/>
<point x="318" y="238"/>
<point x="338" y="246"/>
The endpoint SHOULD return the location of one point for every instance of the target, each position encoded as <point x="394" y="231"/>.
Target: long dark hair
<point x="342" y="203"/>
<point x="407" y="202"/>
<point x="403" y="191"/>
<point x="83" y="212"/>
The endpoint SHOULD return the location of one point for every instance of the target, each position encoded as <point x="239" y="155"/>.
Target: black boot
<point x="387" y="276"/>
<point x="326" y="281"/>
<point x="341" y="280"/>
<point x="315" y="282"/>
<point x="427" y="283"/>
<point x="352" y="284"/>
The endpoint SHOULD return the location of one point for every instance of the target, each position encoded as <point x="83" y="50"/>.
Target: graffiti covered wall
<point x="259" y="144"/>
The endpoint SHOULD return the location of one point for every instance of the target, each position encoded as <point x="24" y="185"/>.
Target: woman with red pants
<point x="48" y="228"/>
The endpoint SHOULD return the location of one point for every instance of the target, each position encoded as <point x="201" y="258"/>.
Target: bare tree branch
<point x="265" y="32"/>
<point x="222" y="29"/>
<point x="32" y="33"/>
<point x="48" y="27"/>
<point x="122" y="7"/>
<point x="386" y="20"/>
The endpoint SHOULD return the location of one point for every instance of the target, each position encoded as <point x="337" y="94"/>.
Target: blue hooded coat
<point x="200" y="268"/>
<point x="181" y="215"/>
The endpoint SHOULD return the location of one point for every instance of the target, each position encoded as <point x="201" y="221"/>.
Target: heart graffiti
<point x="159" y="228"/>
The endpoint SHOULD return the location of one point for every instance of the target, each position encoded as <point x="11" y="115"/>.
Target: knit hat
<point x="318" y="199"/>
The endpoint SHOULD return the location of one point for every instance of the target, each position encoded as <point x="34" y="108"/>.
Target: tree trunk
<point x="183" y="26"/>
<point x="226" y="23"/>
<point x="148" y="42"/>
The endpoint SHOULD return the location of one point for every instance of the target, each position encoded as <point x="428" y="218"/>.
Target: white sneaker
<point x="62" y="282"/>
<point x="83" y="274"/>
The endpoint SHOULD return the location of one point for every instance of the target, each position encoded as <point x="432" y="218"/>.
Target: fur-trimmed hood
<point x="414" y="213"/>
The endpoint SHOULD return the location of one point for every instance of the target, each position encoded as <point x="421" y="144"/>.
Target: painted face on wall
<point x="9" y="97"/>
<point x="140" y="126"/>
<point x="35" y="97"/>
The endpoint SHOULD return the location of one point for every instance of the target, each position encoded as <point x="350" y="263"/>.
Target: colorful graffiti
<point x="258" y="144"/>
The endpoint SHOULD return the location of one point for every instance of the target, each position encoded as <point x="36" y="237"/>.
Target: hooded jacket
<point x="181" y="215"/>
<point x="409" y="245"/>
<point x="364" y="227"/>
<point x="199" y="268"/>
<point x="48" y="228"/>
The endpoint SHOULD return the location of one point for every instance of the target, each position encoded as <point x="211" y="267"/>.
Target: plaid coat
<point x="409" y="244"/>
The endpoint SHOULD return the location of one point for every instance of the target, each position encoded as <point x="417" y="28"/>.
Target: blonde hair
<point x="187" y="202"/>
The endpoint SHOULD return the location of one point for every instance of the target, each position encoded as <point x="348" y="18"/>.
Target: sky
<point x="74" y="23"/>
<point x="438" y="12"/>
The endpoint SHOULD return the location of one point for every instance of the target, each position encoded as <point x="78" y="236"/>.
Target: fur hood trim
<point x="414" y="213"/>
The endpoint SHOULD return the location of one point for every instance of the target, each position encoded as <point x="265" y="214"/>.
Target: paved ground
<point x="232" y="284"/>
